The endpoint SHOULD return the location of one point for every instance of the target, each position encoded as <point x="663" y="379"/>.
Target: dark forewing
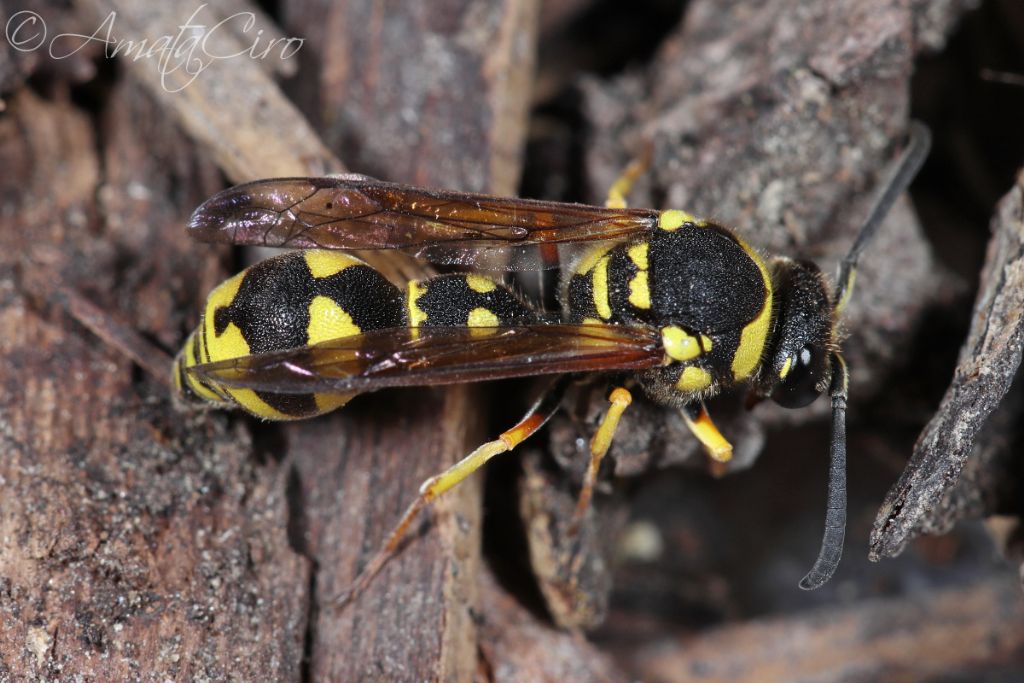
<point x="403" y="356"/>
<point x="356" y="212"/>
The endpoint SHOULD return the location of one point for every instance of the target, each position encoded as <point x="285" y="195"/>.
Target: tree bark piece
<point x="920" y="502"/>
<point x="961" y="634"/>
<point x="239" y="118"/>
<point x="136" y="541"/>
<point x="434" y="95"/>
<point x="230" y="107"/>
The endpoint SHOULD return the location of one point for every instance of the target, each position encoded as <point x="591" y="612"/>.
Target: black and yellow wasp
<point x="682" y="305"/>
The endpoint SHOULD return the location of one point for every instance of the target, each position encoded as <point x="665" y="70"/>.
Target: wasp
<point x="679" y="306"/>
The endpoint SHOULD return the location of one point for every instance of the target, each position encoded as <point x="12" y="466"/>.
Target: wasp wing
<point x="355" y="212"/>
<point x="401" y="356"/>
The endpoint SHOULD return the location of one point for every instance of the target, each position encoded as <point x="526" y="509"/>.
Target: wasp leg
<point x="620" y="399"/>
<point x="434" y="487"/>
<point x="699" y="421"/>
<point x="624" y="183"/>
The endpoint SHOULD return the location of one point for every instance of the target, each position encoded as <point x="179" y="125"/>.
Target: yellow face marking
<point x="673" y="219"/>
<point x="481" y="317"/>
<point x="785" y="368"/>
<point x="705" y="343"/>
<point x="327" y="320"/>
<point x="693" y="380"/>
<point x="639" y="292"/>
<point x="591" y="258"/>
<point x="600" y="280"/>
<point x="416" y="314"/>
<point x="753" y="336"/>
<point x="592" y="321"/>
<point x="678" y="344"/>
<point x="480" y="284"/>
<point x="325" y="263"/>
<point x="638" y="255"/>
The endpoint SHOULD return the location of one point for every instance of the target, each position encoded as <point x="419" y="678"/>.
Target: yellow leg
<point x="624" y="183"/>
<point x="700" y="423"/>
<point x="434" y="487"/>
<point x="620" y="398"/>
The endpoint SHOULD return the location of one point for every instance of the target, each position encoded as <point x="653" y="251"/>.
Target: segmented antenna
<point x="920" y="140"/>
<point x="918" y="144"/>
<point x="835" y="514"/>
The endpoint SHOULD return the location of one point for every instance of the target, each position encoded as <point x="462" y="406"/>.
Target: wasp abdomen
<point x="287" y="302"/>
<point x="303" y="298"/>
<point x="464" y="300"/>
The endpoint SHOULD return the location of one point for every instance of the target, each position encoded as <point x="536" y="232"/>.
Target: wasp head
<point x="797" y="368"/>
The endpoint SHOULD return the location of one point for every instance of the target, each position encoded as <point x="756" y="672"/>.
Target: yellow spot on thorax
<point x="638" y="254"/>
<point x="755" y="333"/>
<point x="327" y="320"/>
<point x="591" y="257"/>
<point x="325" y="263"/>
<point x="693" y="380"/>
<point x="673" y="219"/>
<point x="682" y="346"/>
<point x="640" y="291"/>
<point x="480" y="284"/>
<point x="600" y="288"/>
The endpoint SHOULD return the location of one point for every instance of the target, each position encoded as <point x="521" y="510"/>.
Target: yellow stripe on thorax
<point x="755" y="333"/>
<point x="693" y="380"/>
<point x="673" y="219"/>
<point x="639" y="286"/>
<point x="591" y="257"/>
<point x="602" y="301"/>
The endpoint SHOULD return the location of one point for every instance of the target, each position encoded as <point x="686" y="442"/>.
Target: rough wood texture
<point x="308" y="496"/>
<point x="967" y="634"/>
<point x="136" y="539"/>
<point x="921" y="501"/>
<point x="229" y="106"/>
<point x="138" y="542"/>
<point x="433" y="95"/>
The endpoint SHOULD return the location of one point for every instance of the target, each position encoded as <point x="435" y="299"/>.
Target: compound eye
<point x="801" y="385"/>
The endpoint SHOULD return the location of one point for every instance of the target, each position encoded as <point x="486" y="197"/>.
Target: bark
<point x="141" y="541"/>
